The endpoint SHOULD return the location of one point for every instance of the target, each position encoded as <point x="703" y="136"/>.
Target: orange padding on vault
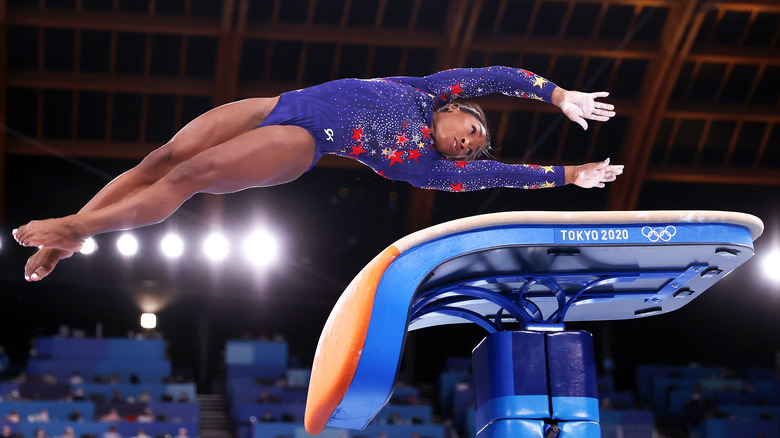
<point x="341" y="343"/>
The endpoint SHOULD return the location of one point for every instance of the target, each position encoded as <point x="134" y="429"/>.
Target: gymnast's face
<point x="458" y="134"/>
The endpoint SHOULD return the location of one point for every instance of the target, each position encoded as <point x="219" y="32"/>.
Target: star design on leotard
<point x="540" y="81"/>
<point x="547" y="185"/>
<point x="426" y="132"/>
<point x="526" y="73"/>
<point x="548" y="169"/>
<point x="387" y="152"/>
<point x="401" y="139"/>
<point x="457" y="187"/>
<point x="357" y="134"/>
<point x="413" y="154"/>
<point x="357" y="150"/>
<point x="461" y="164"/>
<point x="395" y="157"/>
<point x="456" y="90"/>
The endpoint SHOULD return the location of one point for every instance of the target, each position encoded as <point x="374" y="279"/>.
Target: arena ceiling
<point x="696" y="83"/>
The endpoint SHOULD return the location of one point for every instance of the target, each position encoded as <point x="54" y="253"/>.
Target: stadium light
<point x="148" y="320"/>
<point x="127" y="245"/>
<point x="260" y="248"/>
<point x="89" y="246"/>
<point x="172" y="246"/>
<point x="771" y="265"/>
<point x="216" y="247"/>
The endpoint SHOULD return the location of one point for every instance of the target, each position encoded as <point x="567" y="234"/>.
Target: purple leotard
<point x="386" y="124"/>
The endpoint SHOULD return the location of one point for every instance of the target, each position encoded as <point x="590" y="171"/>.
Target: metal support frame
<point x="568" y="289"/>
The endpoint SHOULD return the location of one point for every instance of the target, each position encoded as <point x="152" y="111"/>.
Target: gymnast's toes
<point x="19" y="235"/>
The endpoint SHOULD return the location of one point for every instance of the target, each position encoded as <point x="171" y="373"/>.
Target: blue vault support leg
<point x="573" y="391"/>
<point x="533" y="384"/>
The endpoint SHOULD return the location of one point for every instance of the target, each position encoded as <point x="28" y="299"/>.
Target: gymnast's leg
<point x="263" y="157"/>
<point x="212" y="128"/>
<point x="209" y="129"/>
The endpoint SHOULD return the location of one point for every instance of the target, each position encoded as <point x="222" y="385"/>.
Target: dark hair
<point x="475" y="110"/>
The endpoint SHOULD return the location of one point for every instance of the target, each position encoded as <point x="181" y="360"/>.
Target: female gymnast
<point x="405" y="128"/>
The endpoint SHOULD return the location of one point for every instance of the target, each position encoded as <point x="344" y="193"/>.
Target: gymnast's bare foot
<point x="51" y="233"/>
<point x="40" y="264"/>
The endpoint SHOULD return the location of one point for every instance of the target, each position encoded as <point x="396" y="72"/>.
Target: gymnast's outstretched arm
<point x="472" y="82"/>
<point x="457" y="176"/>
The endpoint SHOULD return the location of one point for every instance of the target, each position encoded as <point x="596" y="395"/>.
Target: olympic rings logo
<point x="659" y="233"/>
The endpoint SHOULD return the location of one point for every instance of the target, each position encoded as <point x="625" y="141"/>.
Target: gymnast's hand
<point x="593" y="174"/>
<point x="40" y="264"/>
<point x="578" y="106"/>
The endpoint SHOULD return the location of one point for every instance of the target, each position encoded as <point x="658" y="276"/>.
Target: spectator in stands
<point x="75" y="416"/>
<point x="147" y="416"/>
<point x="78" y="395"/>
<point x="39" y="432"/>
<point x="68" y="433"/>
<point x="20" y="378"/>
<point x="7" y="432"/>
<point x="48" y="378"/>
<point x="267" y="397"/>
<point x="41" y="417"/>
<point x="142" y="434"/>
<point x="14" y="395"/>
<point x="184" y="397"/>
<point x="112" y="433"/>
<point x="114" y="379"/>
<point x="395" y="418"/>
<point x="267" y="417"/>
<point x="145" y="397"/>
<point x="111" y="416"/>
<point x="76" y="378"/>
<point x="116" y="396"/>
<point x="12" y="417"/>
<point x="182" y="433"/>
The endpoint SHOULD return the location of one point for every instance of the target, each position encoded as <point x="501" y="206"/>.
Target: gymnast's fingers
<point x="605" y="106"/>
<point x="601" y="115"/>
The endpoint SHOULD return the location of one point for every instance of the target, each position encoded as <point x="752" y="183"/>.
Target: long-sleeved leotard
<point x="386" y="124"/>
